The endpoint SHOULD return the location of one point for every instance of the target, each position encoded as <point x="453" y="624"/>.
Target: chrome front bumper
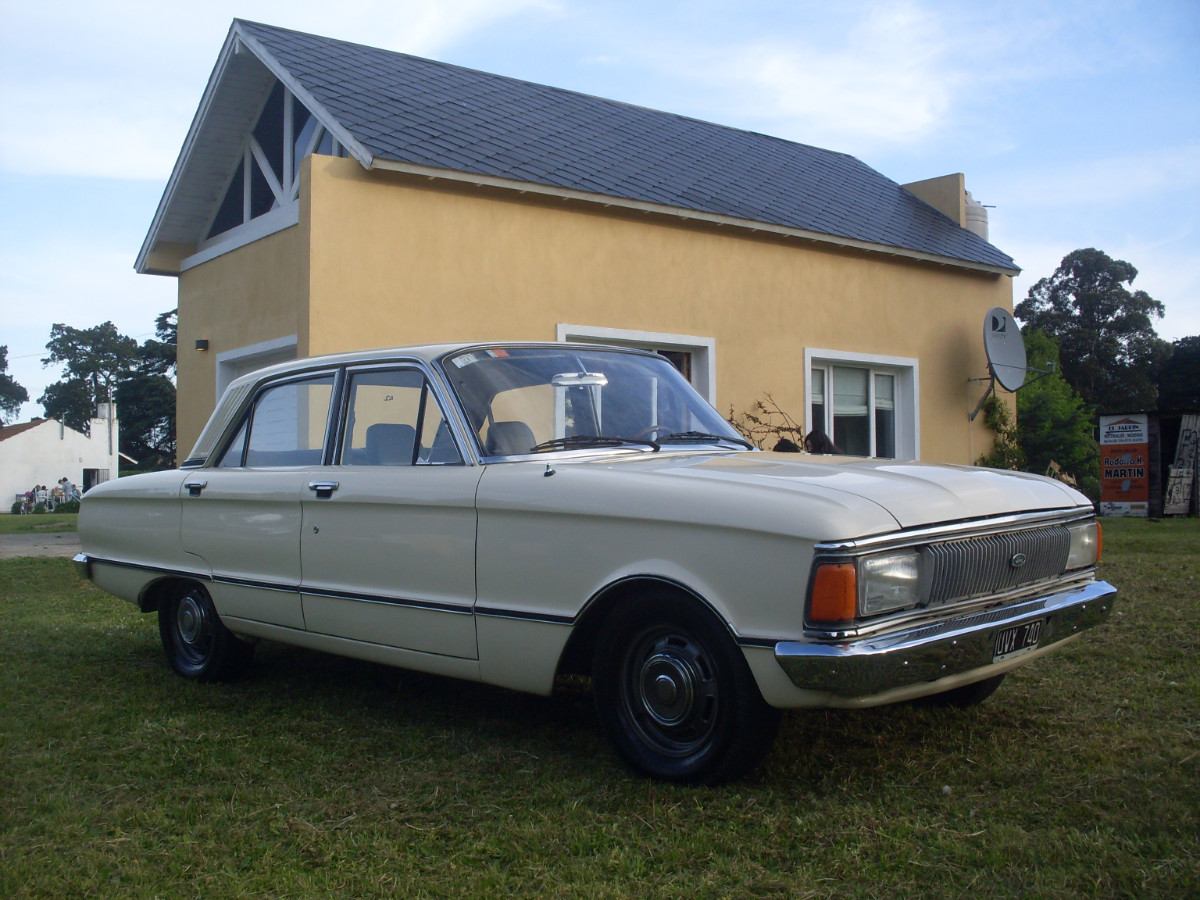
<point x="871" y="665"/>
<point x="83" y="568"/>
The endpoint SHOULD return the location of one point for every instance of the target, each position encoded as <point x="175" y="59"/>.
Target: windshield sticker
<point x="468" y="358"/>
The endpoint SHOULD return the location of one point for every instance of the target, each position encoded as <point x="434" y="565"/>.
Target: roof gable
<point x="11" y="431"/>
<point x="390" y="109"/>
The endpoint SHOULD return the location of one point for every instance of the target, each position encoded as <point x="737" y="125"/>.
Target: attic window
<point x="267" y="176"/>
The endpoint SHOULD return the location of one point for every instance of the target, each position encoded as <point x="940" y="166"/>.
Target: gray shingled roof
<point x="417" y="111"/>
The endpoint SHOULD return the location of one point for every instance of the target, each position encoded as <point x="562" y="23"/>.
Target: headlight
<point x="888" y="582"/>
<point x="1085" y="545"/>
<point x="844" y="591"/>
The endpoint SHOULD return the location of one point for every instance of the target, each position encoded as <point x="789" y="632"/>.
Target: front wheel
<point x="197" y="643"/>
<point x="676" y="696"/>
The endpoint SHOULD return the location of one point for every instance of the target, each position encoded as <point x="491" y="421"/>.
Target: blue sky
<point x="1079" y="122"/>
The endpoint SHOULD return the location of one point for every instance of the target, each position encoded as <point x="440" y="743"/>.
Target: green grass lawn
<point x="319" y="776"/>
<point x="38" y="523"/>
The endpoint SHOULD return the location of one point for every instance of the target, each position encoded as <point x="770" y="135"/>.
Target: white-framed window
<point x="866" y="403"/>
<point x="693" y="355"/>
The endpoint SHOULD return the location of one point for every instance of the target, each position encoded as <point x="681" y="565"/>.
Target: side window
<point x="233" y="453"/>
<point x="393" y="419"/>
<point x="286" y="426"/>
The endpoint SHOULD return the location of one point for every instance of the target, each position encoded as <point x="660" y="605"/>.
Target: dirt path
<point x="57" y="543"/>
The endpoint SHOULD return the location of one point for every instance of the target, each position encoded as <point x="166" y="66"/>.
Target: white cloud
<point x="110" y="91"/>
<point x="1112" y="180"/>
<point x="881" y="76"/>
<point x="902" y="95"/>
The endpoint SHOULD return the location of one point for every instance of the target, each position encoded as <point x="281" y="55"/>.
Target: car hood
<point x="914" y="494"/>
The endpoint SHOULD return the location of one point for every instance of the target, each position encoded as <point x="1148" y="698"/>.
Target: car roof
<point x="427" y="353"/>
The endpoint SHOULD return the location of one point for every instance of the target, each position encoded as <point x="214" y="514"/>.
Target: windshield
<point x="528" y="399"/>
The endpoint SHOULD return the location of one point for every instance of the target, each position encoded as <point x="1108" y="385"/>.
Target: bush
<point x="67" y="506"/>
<point x="16" y="508"/>
<point x="1006" y="450"/>
<point x="766" y="423"/>
<point x="39" y="508"/>
<point x="1055" y="427"/>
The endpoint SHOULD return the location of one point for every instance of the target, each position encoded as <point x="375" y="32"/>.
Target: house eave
<point x="607" y="200"/>
<point x="237" y="41"/>
<point x="185" y="154"/>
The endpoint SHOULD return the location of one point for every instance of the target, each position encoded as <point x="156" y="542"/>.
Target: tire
<point x="966" y="696"/>
<point x="197" y="643"/>
<point x="675" y="695"/>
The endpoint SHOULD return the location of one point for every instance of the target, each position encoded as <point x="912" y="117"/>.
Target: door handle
<point x="195" y="487"/>
<point x="323" y="489"/>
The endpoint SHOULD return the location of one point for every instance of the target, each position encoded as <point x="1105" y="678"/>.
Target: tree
<point x="97" y="357"/>
<point x="1110" y="351"/>
<point x="158" y="357"/>
<point x="71" y="402"/>
<point x="1054" y="425"/>
<point x="100" y="363"/>
<point x="146" y="400"/>
<point x="146" y="404"/>
<point x="12" y="395"/>
<point x="1179" y="379"/>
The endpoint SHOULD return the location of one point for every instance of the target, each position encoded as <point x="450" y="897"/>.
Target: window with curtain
<point x="855" y="406"/>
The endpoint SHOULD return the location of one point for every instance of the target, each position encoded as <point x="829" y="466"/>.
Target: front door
<point x="388" y="534"/>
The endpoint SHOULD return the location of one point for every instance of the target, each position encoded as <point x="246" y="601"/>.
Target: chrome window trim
<point x="336" y="422"/>
<point x="449" y="411"/>
<point x="247" y="406"/>
<point x="460" y="410"/>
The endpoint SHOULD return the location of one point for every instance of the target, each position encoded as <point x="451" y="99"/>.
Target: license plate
<point x="1016" y="640"/>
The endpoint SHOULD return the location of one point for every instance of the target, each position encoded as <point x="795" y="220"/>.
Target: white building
<point x="44" y="450"/>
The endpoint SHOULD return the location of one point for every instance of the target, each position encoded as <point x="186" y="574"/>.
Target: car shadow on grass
<point x="433" y="718"/>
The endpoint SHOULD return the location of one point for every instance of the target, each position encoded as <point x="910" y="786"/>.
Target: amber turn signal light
<point x="834" y="593"/>
<point x="1099" y="540"/>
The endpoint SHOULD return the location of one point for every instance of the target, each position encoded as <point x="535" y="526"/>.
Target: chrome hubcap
<point x="190" y="619"/>
<point x="670" y="693"/>
<point x="668" y="688"/>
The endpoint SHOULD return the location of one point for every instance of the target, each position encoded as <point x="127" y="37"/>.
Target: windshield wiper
<point x="702" y="437"/>
<point x="575" y="441"/>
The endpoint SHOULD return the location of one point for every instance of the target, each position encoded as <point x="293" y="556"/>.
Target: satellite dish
<point x="1005" y="348"/>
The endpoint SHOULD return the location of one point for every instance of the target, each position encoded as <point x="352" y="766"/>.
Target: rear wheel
<point x="197" y="643"/>
<point x="676" y="696"/>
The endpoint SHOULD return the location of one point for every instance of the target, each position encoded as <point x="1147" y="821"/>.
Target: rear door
<point x="242" y="517"/>
<point x="388" y="536"/>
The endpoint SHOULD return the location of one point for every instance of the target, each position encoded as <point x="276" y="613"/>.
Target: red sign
<point x="1124" y="466"/>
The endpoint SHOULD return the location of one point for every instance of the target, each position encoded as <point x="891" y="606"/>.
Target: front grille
<point x="975" y="567"/>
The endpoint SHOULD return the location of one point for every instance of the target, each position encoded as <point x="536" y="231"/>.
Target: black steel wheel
<point x="676" y="696"/>
<point x="197" y="643"/>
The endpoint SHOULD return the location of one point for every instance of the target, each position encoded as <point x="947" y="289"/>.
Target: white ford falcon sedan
<point x="518" y="513"/>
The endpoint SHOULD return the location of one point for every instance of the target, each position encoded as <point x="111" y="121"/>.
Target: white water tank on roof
<point x="977" y="217"/>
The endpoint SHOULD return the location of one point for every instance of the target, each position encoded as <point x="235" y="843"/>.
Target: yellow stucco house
<point x="331" y="197"/>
